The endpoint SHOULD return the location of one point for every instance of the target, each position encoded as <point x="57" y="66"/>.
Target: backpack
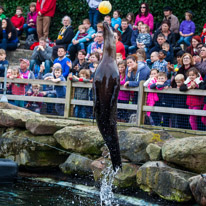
<point x="29" y="41"/>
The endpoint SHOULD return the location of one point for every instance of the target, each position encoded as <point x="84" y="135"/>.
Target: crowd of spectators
<point x="165" y="55"/>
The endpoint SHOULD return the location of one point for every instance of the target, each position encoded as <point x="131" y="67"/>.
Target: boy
<point x="81" y="93"/>
<point x="35" y="106"/>
<point x="2" y="16"/>
<point x="119" y="57"/>
<point x="18" y="20"/>
<point x="165" y="100"/>
<point x="3" y="62"/>
<point x="169" y="56"/>
<point x="161" y="64"/>
<point x="60" y="90"/>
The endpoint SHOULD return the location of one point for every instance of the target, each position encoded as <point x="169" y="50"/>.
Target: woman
<point x="187" y="62"/>
<point x="130" y="18"/>
<point x="119" y="45"/>
<point x="8" y="35"/>
<point x="145" y="16"/>
<point x="192" y="49"/>
<point x="165" y="30"/>
<point x="134" y="75"/>
<point x="79" y="63"/>
<point x="65" y="35"/>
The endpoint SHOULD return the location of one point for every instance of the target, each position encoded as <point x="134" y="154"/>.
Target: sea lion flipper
<point x="114" y="95"/>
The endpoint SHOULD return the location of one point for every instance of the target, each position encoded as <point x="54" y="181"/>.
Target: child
<point x="16" y="88"/>
<point x="187" y="29"/>
<point x="194" y="102"/>
<point x="30" y="26"/>
<point x="95" y="65"/>
<point x="116" y="20"/>
<point x="2" y="16"/>
<point x="151" y="97"/>
<point x="203" y="34"/>
<point x="18" y="20"/>
<point x="124" y="96"/>
<point x="144" y="38"/>
<point x="169" y="55"/>
<point x="119" y="58"/>
<point x="81" y="93"/>
<point x="3" y="63"/>
<point x="60" y="90"/>
<point x="164" y="100"/>
<point x="161" y="64"/>
<point x="94" y="57"/>
<point x="35" y="106"/>
<point x="80" y="34"/>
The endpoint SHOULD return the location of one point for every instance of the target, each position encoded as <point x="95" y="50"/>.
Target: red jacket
<point x="18" y="89"/>
<point x="18" y="22"/>
<point x="48" y="8"/>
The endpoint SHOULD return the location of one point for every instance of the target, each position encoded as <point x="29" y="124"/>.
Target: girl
<point x="124" y="96"/>
<point x="130" y="18"/>
<point x="94" y="57"/>
<point x="16" y="88"/>
<point x="116" y="20"/>
<point x="30" y="26"/>
<point x="151" y="97"/>
<point x="194" y="102"/>
<point x="192" y="49"/>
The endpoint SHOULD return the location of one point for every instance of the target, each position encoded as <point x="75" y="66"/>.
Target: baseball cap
<point x="24" y="60"/>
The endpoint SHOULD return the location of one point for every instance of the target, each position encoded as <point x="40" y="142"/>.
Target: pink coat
<point x="151" y="97"/>
<point x="123" y="95"/>
<point x="149" y="20"/>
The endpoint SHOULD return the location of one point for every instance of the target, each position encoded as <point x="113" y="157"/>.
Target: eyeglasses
<point x="186" y="58"/>
<point x="143" y="7"/>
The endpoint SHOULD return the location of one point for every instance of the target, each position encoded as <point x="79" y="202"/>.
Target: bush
<point x="78" y="10"/>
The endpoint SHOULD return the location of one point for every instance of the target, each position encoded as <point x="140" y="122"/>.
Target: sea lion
<point x="106" y="87"/>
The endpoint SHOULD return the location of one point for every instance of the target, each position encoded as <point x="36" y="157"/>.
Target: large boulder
<point x="29" y="150"/>
<point x="167" y="182"/>
<point x="80" y="139"/>
<point x="77" y="164"/>
<point x="189" y="153"/>
<point x="16" y="118"/>
<point x="42" y="126"/>
<point x="133" y="143"/>
<point x="124" y="178"/>
<point x="198" y="188"/>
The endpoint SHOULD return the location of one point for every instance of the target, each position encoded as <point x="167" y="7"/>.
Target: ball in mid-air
<point x="105" y="7"/>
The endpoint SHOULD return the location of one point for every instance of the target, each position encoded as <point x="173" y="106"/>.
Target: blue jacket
<point x="65" y="67"/>
<point x="60" y="90"/>
<point x="142" y="73"/>
<point x="90" y="31"/>
<point x="134" y="36"/>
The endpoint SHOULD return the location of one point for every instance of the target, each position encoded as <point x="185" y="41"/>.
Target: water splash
<point x="106" y="194"/>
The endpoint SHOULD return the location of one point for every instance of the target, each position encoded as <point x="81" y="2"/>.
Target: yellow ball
<point x="176" y="69"/>
<point x="105" y="7"/>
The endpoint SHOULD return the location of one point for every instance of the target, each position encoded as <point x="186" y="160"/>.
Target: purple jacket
<point x="187" y="27"/>
<point x="32" y="16"/>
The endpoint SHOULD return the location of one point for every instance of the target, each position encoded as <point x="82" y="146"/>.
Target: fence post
<point x="68" y="99"/>
<point x="141" y="100"/>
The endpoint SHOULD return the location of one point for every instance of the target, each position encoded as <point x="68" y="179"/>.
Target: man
<point x="94" y="12"/>
<point x="41" y="53"/>
<point x="126" y="34"/>
<point x="45" y="10"/>
<point x="25" y="72"/>
<point x="172" y="19"/>
<point x="65" y="62"/>
<point x="86" y="40"/>
<point x="98" y="45"/>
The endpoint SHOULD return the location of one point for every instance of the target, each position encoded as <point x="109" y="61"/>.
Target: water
<point x="48" y="192"/>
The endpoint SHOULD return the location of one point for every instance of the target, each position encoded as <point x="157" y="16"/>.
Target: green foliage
<point x="78" y="10"/>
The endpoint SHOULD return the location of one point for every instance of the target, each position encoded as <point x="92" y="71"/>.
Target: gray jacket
<point x="174" y="23"/>
<point x="42" y="55"/>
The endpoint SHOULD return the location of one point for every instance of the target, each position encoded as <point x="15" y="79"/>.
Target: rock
<point x="17" y="145"/>
<point x="167" y="182"/>
<point x="189" y="153"/>
<point x="133" y="143"/>
<point x="42" y="126"/>
<point x="198" y="188"/>
<point x="76" y="164"/>
<point x="154" y="152"/>
<point x="123" y="179"/>
<point x="4" y="105"/>
<point x="16" y="118"/>
<point x="80" y="139"/>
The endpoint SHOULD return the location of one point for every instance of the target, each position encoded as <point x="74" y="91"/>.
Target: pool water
<point x="47" y="192"/>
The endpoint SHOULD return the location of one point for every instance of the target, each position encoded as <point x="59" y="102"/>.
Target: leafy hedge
<point x="78" y="10"/>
